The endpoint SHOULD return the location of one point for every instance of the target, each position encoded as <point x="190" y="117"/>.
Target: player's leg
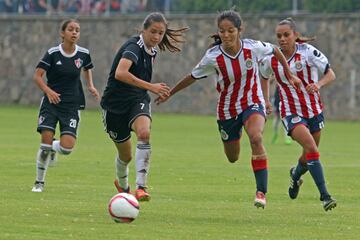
<point x="275" y="125"/>
<point x="47" y="121"/>
<point x="316" y="124"/>
<point x="116" y="126"/>
<point x="122" y="161"/>
<point x="42" y="160"/>
<point x="254" y="126"/>
<point x="302" y="135"/>
<point x="141" y="126"/>
<point x="230" y="132"/>
<point x="69" y="123"/>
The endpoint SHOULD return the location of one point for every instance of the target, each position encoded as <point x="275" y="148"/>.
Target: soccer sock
<point x="58" y="148"/>
<point x="142" y="157"/>
<point x="299" y="171"/>
<point x="259" y="165"/>
<point x="122" y="172"/>
<point x="42" y="161"/>
<point x="316" y="171"/>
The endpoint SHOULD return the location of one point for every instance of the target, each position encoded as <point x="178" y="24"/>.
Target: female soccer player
<point x="63" y="96"/>
<point x="241" y="102"/>
<point x="301" y="110"/>
<point x="126" y="103"/>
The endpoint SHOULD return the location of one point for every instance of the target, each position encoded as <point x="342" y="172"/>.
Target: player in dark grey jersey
<point x="126" y="103"/>
<point x="63" y="97"/>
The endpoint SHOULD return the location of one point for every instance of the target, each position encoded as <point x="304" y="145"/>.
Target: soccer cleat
<point x="260" y="200"/>
<point x="328" y="202"/>
<point x="38" y="187"/>
<point x="288" y="140"/>
<point x="294" y="185"/>
<point x="53" y="158"/>
<point x="120" y="189"/>
<point x="142" y="195"/>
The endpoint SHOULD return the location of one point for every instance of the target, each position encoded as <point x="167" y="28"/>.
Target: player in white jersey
<point x="301" y="109"/>
<point x="241" y="104"/>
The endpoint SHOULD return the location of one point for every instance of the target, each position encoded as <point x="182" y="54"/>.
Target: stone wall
<point x="24" y="40"/>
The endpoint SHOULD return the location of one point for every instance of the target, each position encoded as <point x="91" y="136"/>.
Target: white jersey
<point x="305" y="62"/>
<point x="238" y="81"/>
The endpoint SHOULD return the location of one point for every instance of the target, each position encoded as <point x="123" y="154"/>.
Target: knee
<point x="143" y="134"/>
<point x="232" y="157"/>
<point x="256" y="139"/>
<point x="65" y="151"/>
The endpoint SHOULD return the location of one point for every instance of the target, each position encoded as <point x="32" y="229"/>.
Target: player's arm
<point x="184" y="83"/>
<point x="53" y="96"/>
<point x="87" y="73"/>
<point x="265" y="86"/>
<point x="122" y="74"/>
<point x="328" y="77"/>
<point x="293" y="80"/>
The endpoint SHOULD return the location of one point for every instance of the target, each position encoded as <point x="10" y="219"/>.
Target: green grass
<point x="196" y="193"/>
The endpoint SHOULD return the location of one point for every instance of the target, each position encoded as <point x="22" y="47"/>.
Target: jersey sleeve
<point x="88" y="63"/>
<point x="317" y="59"/>
<point x="265" y="68"/>
<point x="204" y="68"/>
<point x="132" y="52"/>
<point x="45" y="62"/>
<point x="261" y="49"/>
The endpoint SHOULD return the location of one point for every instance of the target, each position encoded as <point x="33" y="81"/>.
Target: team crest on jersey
<point x="298" y="66"/>
<point x="113" y="135"/>
<point x="295" y="119"/>
<point x="41" y="119"/>
<point x="224" y="135"/>
<point x="248" y="63"/>
<point x="78" y="62"/>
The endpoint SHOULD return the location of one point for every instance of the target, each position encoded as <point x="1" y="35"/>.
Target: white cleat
<point x="38" y="187"/>
<point x="260" y="200"/>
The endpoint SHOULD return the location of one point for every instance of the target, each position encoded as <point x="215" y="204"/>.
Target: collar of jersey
<point x="293" y="55"/>
<point x="236" y="55"/>
<point x="151" y="51"/>
<point x="68" y="55"/>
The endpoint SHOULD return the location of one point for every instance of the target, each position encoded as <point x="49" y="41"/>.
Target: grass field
<point x="196" y="193"/>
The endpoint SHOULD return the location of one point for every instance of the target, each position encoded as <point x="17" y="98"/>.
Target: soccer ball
<point x="123" y="208"/>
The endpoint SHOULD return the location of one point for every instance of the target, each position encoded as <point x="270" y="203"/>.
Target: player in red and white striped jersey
<point x="301" y="109"/>
<point x="241" y="103"/>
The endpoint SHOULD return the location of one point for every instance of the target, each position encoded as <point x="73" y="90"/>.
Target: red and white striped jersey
<point x="306" y="62"/>
<point x="238" y="81"/>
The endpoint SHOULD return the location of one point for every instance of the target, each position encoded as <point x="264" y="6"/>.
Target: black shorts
<point x="118" y="126"/>
<point x="50" y="115"/>
<point x="230" y="129"/>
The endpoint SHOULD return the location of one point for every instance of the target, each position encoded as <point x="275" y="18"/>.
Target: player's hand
<point x="295" y="82"/>
<point x="160" y="89"/>
<point x="160" y="100"/>
<point x="94" y="92"/>
<point x="312" y="88"/>
<point x="268" y="107"/>
<point x="54" y="97"/>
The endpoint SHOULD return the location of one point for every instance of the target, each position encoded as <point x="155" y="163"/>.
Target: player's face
<point x="71" y="33"/>
<point x="229" y="34"/>
<point x="154" y="34"/>
<point x="285" y="36"/>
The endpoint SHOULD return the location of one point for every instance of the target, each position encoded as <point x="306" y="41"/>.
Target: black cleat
<point x="294" y="185"/>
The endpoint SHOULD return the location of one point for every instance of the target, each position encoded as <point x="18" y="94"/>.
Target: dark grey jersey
<point x="118" y="96"/>
<point x="63" y="74"/>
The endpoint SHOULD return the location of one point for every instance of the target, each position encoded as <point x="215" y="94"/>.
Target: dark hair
<point x="291" y="23"/>
<point x="230" y="15"/>
<point x="66" y="22"/>
<point x="171" y="37"/>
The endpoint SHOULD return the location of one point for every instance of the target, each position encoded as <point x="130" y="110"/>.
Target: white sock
<point x="122" y="172"/>
<point x="42" y="161"/>
<point x="142" y="157"/>
<point x="58" y="148"/>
